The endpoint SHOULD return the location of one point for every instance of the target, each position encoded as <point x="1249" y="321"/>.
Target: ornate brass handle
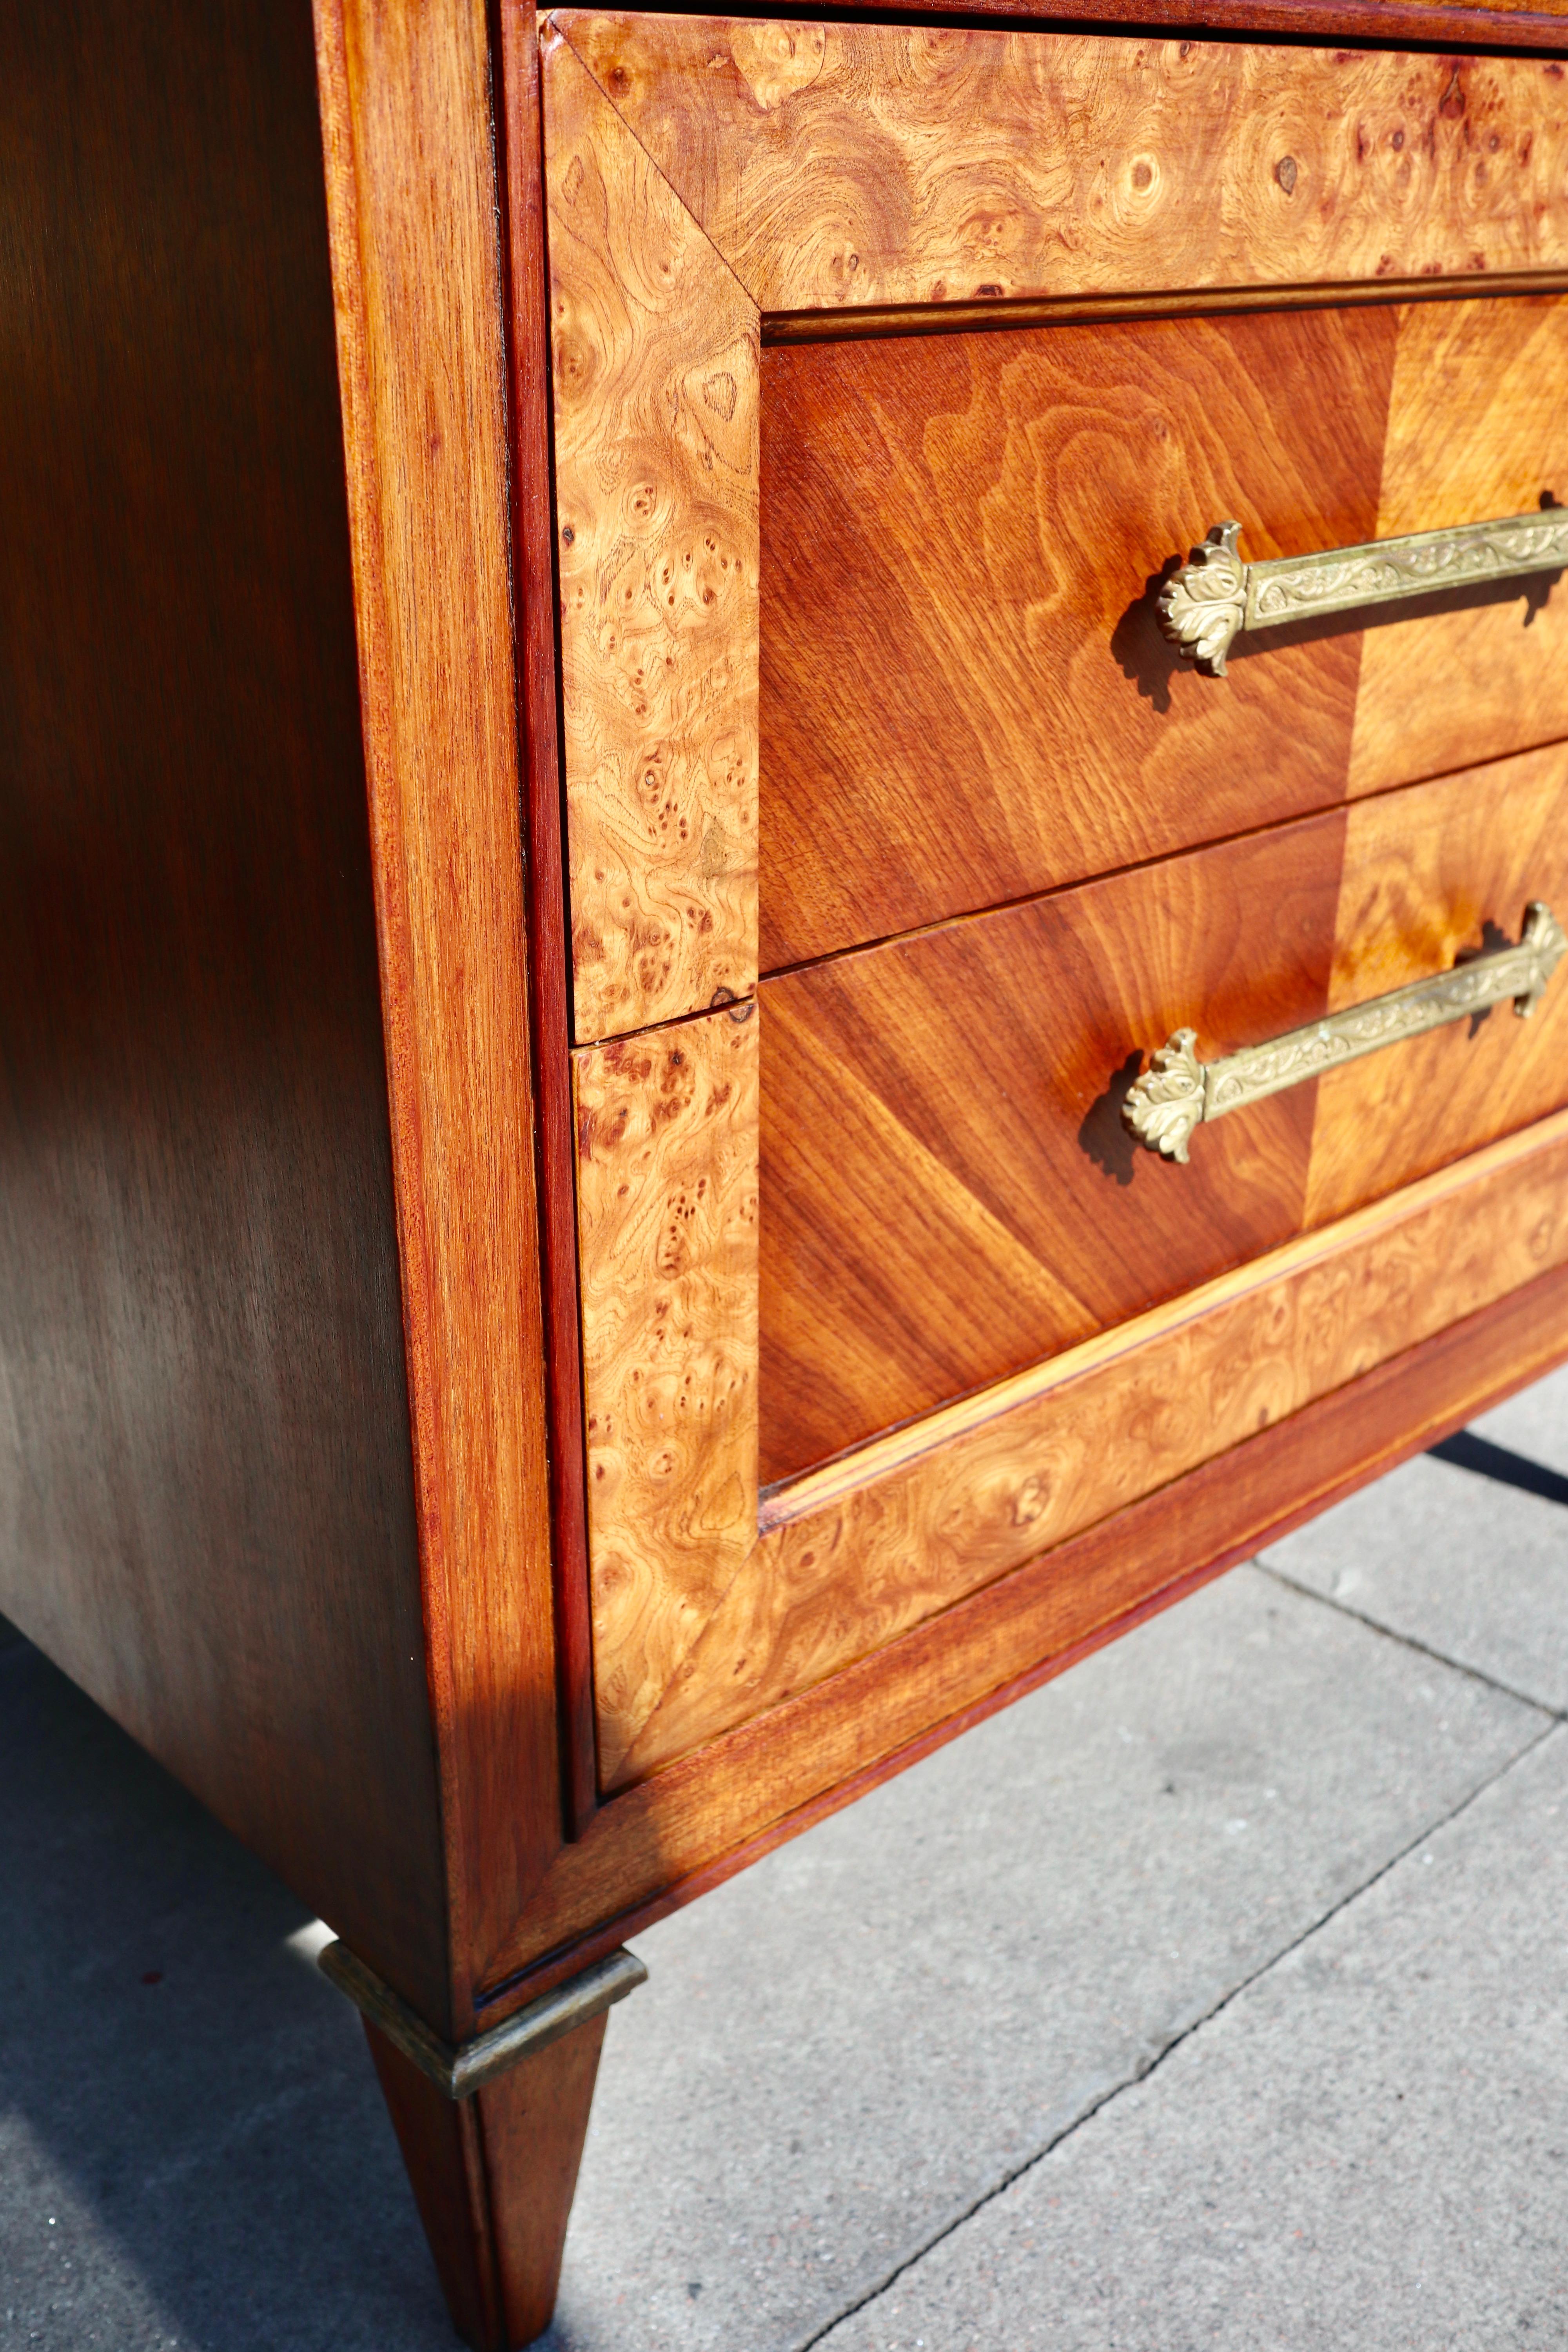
<point x="1212" y="599"/>
<point x="1177" y="1090"/>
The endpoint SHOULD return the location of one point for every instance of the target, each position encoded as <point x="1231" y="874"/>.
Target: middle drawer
<point x="966" y="697"/>
<point x="949" y="1191"/>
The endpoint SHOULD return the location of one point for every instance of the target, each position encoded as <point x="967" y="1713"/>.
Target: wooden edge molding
<point x="837" y="165"/>
<point x="461" y="2071"/>
<point x="674" y="1837"/>
<point x="417" y="295"/>
<point x="950" y="318"/>
<point x="656" y="399"/>
<point x="533" y="533"/>
<point x="1445" y="24"/>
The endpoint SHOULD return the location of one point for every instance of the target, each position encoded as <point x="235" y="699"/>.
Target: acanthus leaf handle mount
<point x="1213" y="599"/>
<point x="1178" y="1092"/>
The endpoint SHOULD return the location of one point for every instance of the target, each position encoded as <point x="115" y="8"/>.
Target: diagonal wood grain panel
<point x="838" y="165"/>
<point x="667" y="1218"/>
<point x="998" y="1051"/>
<point x="655" y="360"/>
<point x="974" y="521"/>
<point x="1477" y="425"/>
<point x="1432" y="875"/>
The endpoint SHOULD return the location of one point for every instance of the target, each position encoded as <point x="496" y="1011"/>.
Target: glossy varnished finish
<point x="839" y="164"/>
<point x="948" y="1191"/>
<point x="550" y="953"/>
<point x="966" y="693"/>
<point x="209" y="1513"/>
<point x="416" y="276"/>
<point x="967" y="532"/>
<point x="655" y="355"/>
<point x="667" y="1177"/>
<point x="1476" y="427"/>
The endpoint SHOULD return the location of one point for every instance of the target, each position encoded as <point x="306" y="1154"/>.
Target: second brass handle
<point x="1211" y="599"/>
<point x="1177" y="1092"/>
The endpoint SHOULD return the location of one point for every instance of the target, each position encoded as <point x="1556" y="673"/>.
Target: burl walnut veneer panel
<point x="655" y="367"/>
<point x="839" y="165"/>
<point x="948" y="1191"/>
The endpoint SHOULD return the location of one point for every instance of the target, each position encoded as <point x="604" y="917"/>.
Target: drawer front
<point x="950" y="1190"/>
<point x="966" y="694"/>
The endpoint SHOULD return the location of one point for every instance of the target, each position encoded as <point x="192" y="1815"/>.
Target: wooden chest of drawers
<point x="955" y="645"/>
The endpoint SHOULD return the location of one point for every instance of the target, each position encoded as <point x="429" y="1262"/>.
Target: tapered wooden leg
<point x="493" y="2177"/>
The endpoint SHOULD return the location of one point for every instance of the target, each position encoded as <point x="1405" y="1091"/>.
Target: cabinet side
<point x="206" y="1497"/>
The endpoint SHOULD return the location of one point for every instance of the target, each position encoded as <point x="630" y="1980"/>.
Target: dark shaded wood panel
<point x="947" y="1192"/>
<point x="966" y="697"/>
<point x="207" y="1515"/>
<point x="1434" y="875"/>
<point x="675" y="1836"/>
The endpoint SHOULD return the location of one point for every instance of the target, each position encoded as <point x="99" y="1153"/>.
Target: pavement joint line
<point x="1552" y="1725"/>
<point x="1408" y="1642"/>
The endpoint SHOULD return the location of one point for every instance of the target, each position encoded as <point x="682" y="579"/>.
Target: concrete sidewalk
<point x="1215" y="1996"/>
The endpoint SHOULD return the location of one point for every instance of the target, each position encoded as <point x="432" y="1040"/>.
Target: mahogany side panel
<point x="851" y="1557"/>
<point x="949" y="1193"/>
<point x="656" y="359"/>
<point x="965" y="694"/>
<point x="417" y="277"/>
<point x="533" y="571"/>
<point x="837" y="164"/>
<point x="668" y="1194"/>
<point x="206" y="1505"/>
<point x="693" y="1826"/>
<point x="1431" y="875"/>
<point x="1475" y="429"/>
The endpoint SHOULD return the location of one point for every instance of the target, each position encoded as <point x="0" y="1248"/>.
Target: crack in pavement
<point x="1552" y="1725"/>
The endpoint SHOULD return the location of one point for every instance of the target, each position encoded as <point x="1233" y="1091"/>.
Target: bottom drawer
<point x="883" y="1305"/>
<point x="949" y="1191"/>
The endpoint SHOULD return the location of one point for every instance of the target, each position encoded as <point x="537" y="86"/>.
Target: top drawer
<point x="951" y="584"/>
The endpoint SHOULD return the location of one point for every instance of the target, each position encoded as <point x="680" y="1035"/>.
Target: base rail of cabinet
<point x="460" y="2072"/>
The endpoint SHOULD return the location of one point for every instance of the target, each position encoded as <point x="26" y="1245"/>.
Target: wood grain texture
<point x="690" y="1827"/>
<point x="1432" y="875"/>
<point x="417" y="285"/>
<point x="206" y="1506"/>
<point x="667" y="1193"/>
<point x="493" y="2177"/>
<point x="855" y="1556"/>
<point x="966" y="693"/>
<point x="549" y="940"/>
<point x="949" y="1193"/>
<point x="836" y="165"/>
<point x="655" y="358"/>
<point x="1476" y="427"/>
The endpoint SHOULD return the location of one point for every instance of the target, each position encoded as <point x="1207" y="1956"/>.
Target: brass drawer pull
<point x="1215" y="596"/>
<point x="1177" y="1090"/>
